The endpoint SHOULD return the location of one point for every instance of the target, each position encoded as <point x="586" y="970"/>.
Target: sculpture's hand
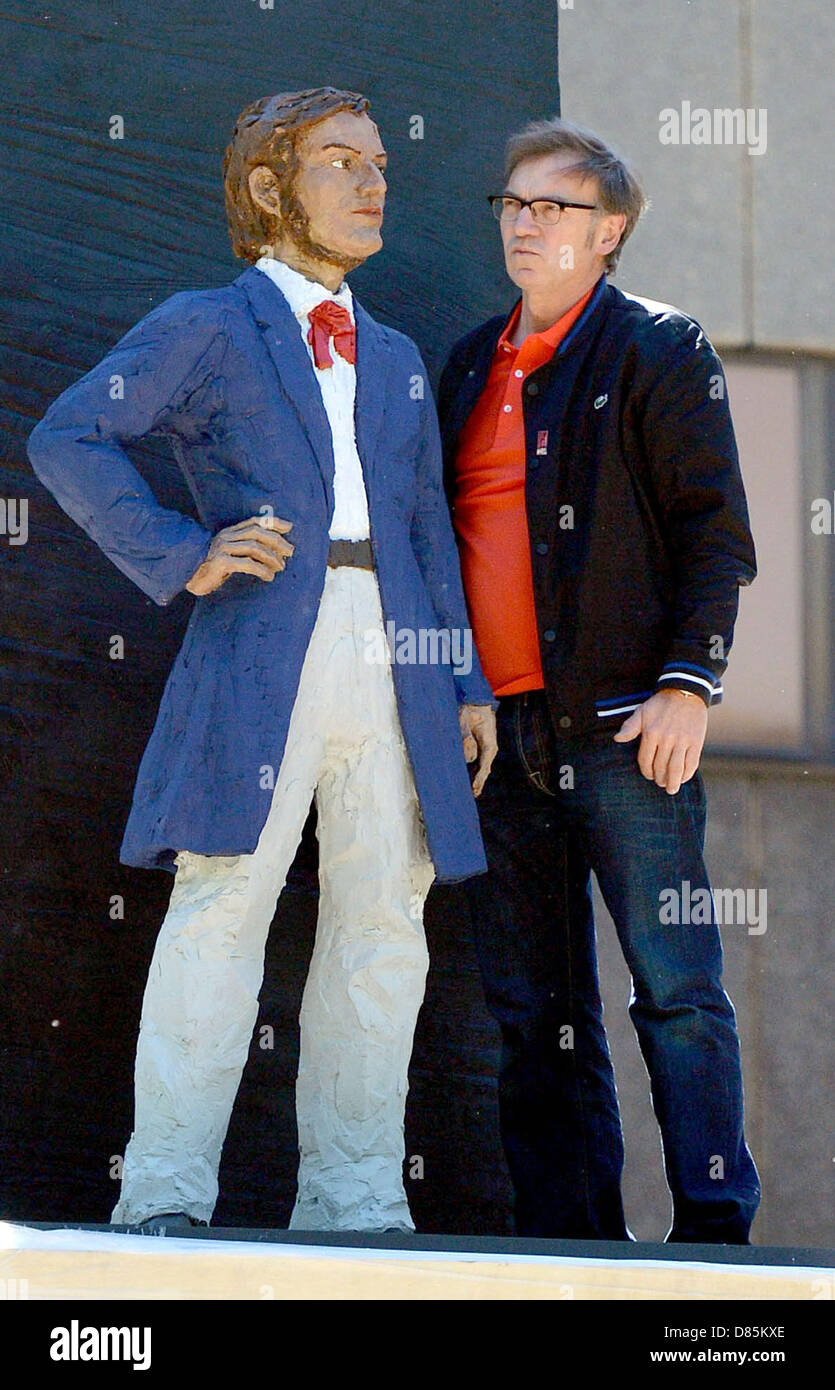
<point x="255" y="546"/>
<point x="478" y="729"/>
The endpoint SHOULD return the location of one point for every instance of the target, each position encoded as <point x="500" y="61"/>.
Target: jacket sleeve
<point x="436" y="552"/>
<point x="77" y="449"/>
<point x="692" y="456"/>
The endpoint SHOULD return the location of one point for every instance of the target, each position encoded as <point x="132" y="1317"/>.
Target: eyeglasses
<point x="545" y="211"/>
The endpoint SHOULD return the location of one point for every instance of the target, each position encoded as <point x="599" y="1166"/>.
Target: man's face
<point x="341" y="189"/>
<point x="543" y="258"/>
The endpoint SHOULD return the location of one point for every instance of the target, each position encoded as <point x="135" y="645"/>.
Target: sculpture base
<point x="60" y="1262"/>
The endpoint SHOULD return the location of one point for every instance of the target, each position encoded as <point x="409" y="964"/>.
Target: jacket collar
<point x="473" y="366"/>
<point x="297" y="378"/>
<point x="374" y="365"/>
<point x="577" y="330"/>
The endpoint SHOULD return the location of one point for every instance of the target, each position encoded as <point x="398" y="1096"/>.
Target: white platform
<point x="73" y="1264"/>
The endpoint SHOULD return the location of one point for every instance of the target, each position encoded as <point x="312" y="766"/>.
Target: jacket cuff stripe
<point x="687" y="676"/>
<point x="689" y="666"/>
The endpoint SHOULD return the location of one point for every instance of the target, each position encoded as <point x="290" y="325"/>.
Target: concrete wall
<point x="739" y="240"/>
<point x="769" y="827"/>
<point x="764" y="703"/>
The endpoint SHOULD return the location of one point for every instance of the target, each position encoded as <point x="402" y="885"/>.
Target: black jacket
<point x="636" y="510"/>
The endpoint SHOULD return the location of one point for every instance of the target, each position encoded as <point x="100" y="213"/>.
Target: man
<point x="314" y="461"/>
<point x="603" y="532"/>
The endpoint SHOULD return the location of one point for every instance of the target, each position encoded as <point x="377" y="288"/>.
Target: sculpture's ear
<point x="265" y="189"/>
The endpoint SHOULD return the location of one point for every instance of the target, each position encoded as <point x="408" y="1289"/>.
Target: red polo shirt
<point x="490" y="516"/>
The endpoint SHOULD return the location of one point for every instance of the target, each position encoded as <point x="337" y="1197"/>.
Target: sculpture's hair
<point x="268" y="132"/>
<point x="619" y="189"/>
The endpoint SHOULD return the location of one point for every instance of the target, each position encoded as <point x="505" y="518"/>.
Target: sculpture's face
<point x="337" y="198"/>
<point x="341" y="185"/>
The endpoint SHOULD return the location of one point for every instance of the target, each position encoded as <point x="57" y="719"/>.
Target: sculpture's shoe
<point x="167" y="1223"/>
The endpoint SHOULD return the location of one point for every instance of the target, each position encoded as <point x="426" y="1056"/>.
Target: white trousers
<point x="367" y="974"/>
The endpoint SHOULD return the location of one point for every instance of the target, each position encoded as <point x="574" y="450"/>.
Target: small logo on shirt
<point x="542" y="442"/>
<point x="601" y="401"/>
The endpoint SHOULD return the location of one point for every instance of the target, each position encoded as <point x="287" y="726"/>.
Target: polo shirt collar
<point x="551" y="337"/>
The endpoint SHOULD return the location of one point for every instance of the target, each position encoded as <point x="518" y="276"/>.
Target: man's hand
<point x="249" y="547"/>
<point x="478" y="729"/>
<point x="672" y="724"/>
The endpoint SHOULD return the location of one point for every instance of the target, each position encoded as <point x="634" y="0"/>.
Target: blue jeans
<point x="553" y="808"/>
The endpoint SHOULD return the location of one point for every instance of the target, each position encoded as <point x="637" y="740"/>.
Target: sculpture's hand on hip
<point x="255" y="546"/>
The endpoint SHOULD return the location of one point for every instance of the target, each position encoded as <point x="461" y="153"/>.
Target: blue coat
<point x="225" y="375"/>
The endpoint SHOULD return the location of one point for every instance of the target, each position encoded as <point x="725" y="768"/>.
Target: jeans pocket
<point x="534" y="744"/>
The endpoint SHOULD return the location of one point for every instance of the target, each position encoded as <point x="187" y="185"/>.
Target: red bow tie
<point x="329" y="320"/>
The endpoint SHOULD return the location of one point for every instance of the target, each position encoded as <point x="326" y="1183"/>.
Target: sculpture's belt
<point x="356" y="553"/>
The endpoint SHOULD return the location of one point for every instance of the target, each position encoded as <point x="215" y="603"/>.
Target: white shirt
<point x="338" y="385"/>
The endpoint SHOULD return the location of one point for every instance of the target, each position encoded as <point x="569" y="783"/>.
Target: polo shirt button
<point x="542" y="547"/>
<point x="471" y="372"/>
<point x="549" y="634"/>
<point x="508" y="409"/>
<point x="532" y="388"/>
<point x="565" y="722"/>
<point x="518" y="372"/>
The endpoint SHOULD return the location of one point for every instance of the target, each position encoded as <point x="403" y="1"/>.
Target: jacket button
<point x="542" y="547"/>
<point x="549" y="634"/>
<point x="565" y="722"/>
<point x="532" y="388"/>
<point x="533" y="463"/>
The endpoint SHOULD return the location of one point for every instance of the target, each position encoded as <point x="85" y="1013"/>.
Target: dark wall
<point x="95" y="232"/>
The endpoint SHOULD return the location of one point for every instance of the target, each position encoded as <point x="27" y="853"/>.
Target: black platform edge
<point x="793" y="1256"/>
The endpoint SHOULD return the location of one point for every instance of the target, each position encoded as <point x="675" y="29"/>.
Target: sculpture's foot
<point x="167" y="1223"/>
<point x="311" y="1214"/>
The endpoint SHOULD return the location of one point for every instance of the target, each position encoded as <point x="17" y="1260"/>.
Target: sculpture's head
<point x="304" y="180"/>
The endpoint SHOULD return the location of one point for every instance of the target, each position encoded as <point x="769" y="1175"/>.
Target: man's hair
<point x="619" y="189"/>
<point x="269" y="132"/>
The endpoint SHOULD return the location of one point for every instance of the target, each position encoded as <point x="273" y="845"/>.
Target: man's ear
<point x="263" y="189"/>
<point x="610" y="229"/>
